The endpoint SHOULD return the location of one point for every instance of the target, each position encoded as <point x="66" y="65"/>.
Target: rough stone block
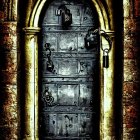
<point x="131" y="72"/>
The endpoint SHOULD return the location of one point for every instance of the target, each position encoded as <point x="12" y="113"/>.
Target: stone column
<point x="31" y="83"/>
<point x="107" y="92"/>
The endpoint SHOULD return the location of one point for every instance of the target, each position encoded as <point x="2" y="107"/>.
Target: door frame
<point x="31" y="92"/>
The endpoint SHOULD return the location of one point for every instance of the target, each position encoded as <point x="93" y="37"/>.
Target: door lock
<point x="66" y="16"/>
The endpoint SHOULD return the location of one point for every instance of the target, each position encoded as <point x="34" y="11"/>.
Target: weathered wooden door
<point x="69" y="103"/>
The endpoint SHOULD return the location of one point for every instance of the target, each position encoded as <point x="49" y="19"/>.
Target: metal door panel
<point x="86" y="126"/>
<point x="61" y="126"/>
<point x="68" y="42"/>
<point x="87" y="17"/>
<point x="51" y="12"/>
<point x="70" y="67"/>
<point x="81" y="43"/>
<point x="67" y="125"/>
<point x="68" y="93"/>
<point x="52" y="89"/>
<point x="52" y="39"/>
<point x="86" y="97"/>
<point x="76" y="12"/>
<point x="67" y="67"/>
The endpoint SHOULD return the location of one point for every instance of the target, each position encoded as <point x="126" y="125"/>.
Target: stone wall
<point x="131" y="83"/>
<point x="8" y="71"/>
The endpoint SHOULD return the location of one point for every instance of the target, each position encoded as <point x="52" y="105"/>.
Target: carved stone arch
<point x="102" y="13"/>
<point x="31" y="74"/>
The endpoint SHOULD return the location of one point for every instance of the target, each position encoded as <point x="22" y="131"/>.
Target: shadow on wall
<point x="118" y="84"/>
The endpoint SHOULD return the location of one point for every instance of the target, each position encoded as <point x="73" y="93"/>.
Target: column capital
<point x="111" y="33"/>
<point x="31" y="30"/>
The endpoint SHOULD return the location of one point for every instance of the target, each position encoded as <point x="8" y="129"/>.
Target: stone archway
<point x="31" y="74"/>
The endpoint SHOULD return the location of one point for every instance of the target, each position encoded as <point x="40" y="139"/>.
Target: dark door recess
<point x="69" y="103"/>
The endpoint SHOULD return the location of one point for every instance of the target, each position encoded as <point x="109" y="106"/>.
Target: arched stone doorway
<point x="31" y="75"/>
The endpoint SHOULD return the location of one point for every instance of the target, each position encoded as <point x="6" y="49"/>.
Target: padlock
<point x="91" y="39"/>
<point x="66" y="16"/>
<point x="105" y="58"/>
